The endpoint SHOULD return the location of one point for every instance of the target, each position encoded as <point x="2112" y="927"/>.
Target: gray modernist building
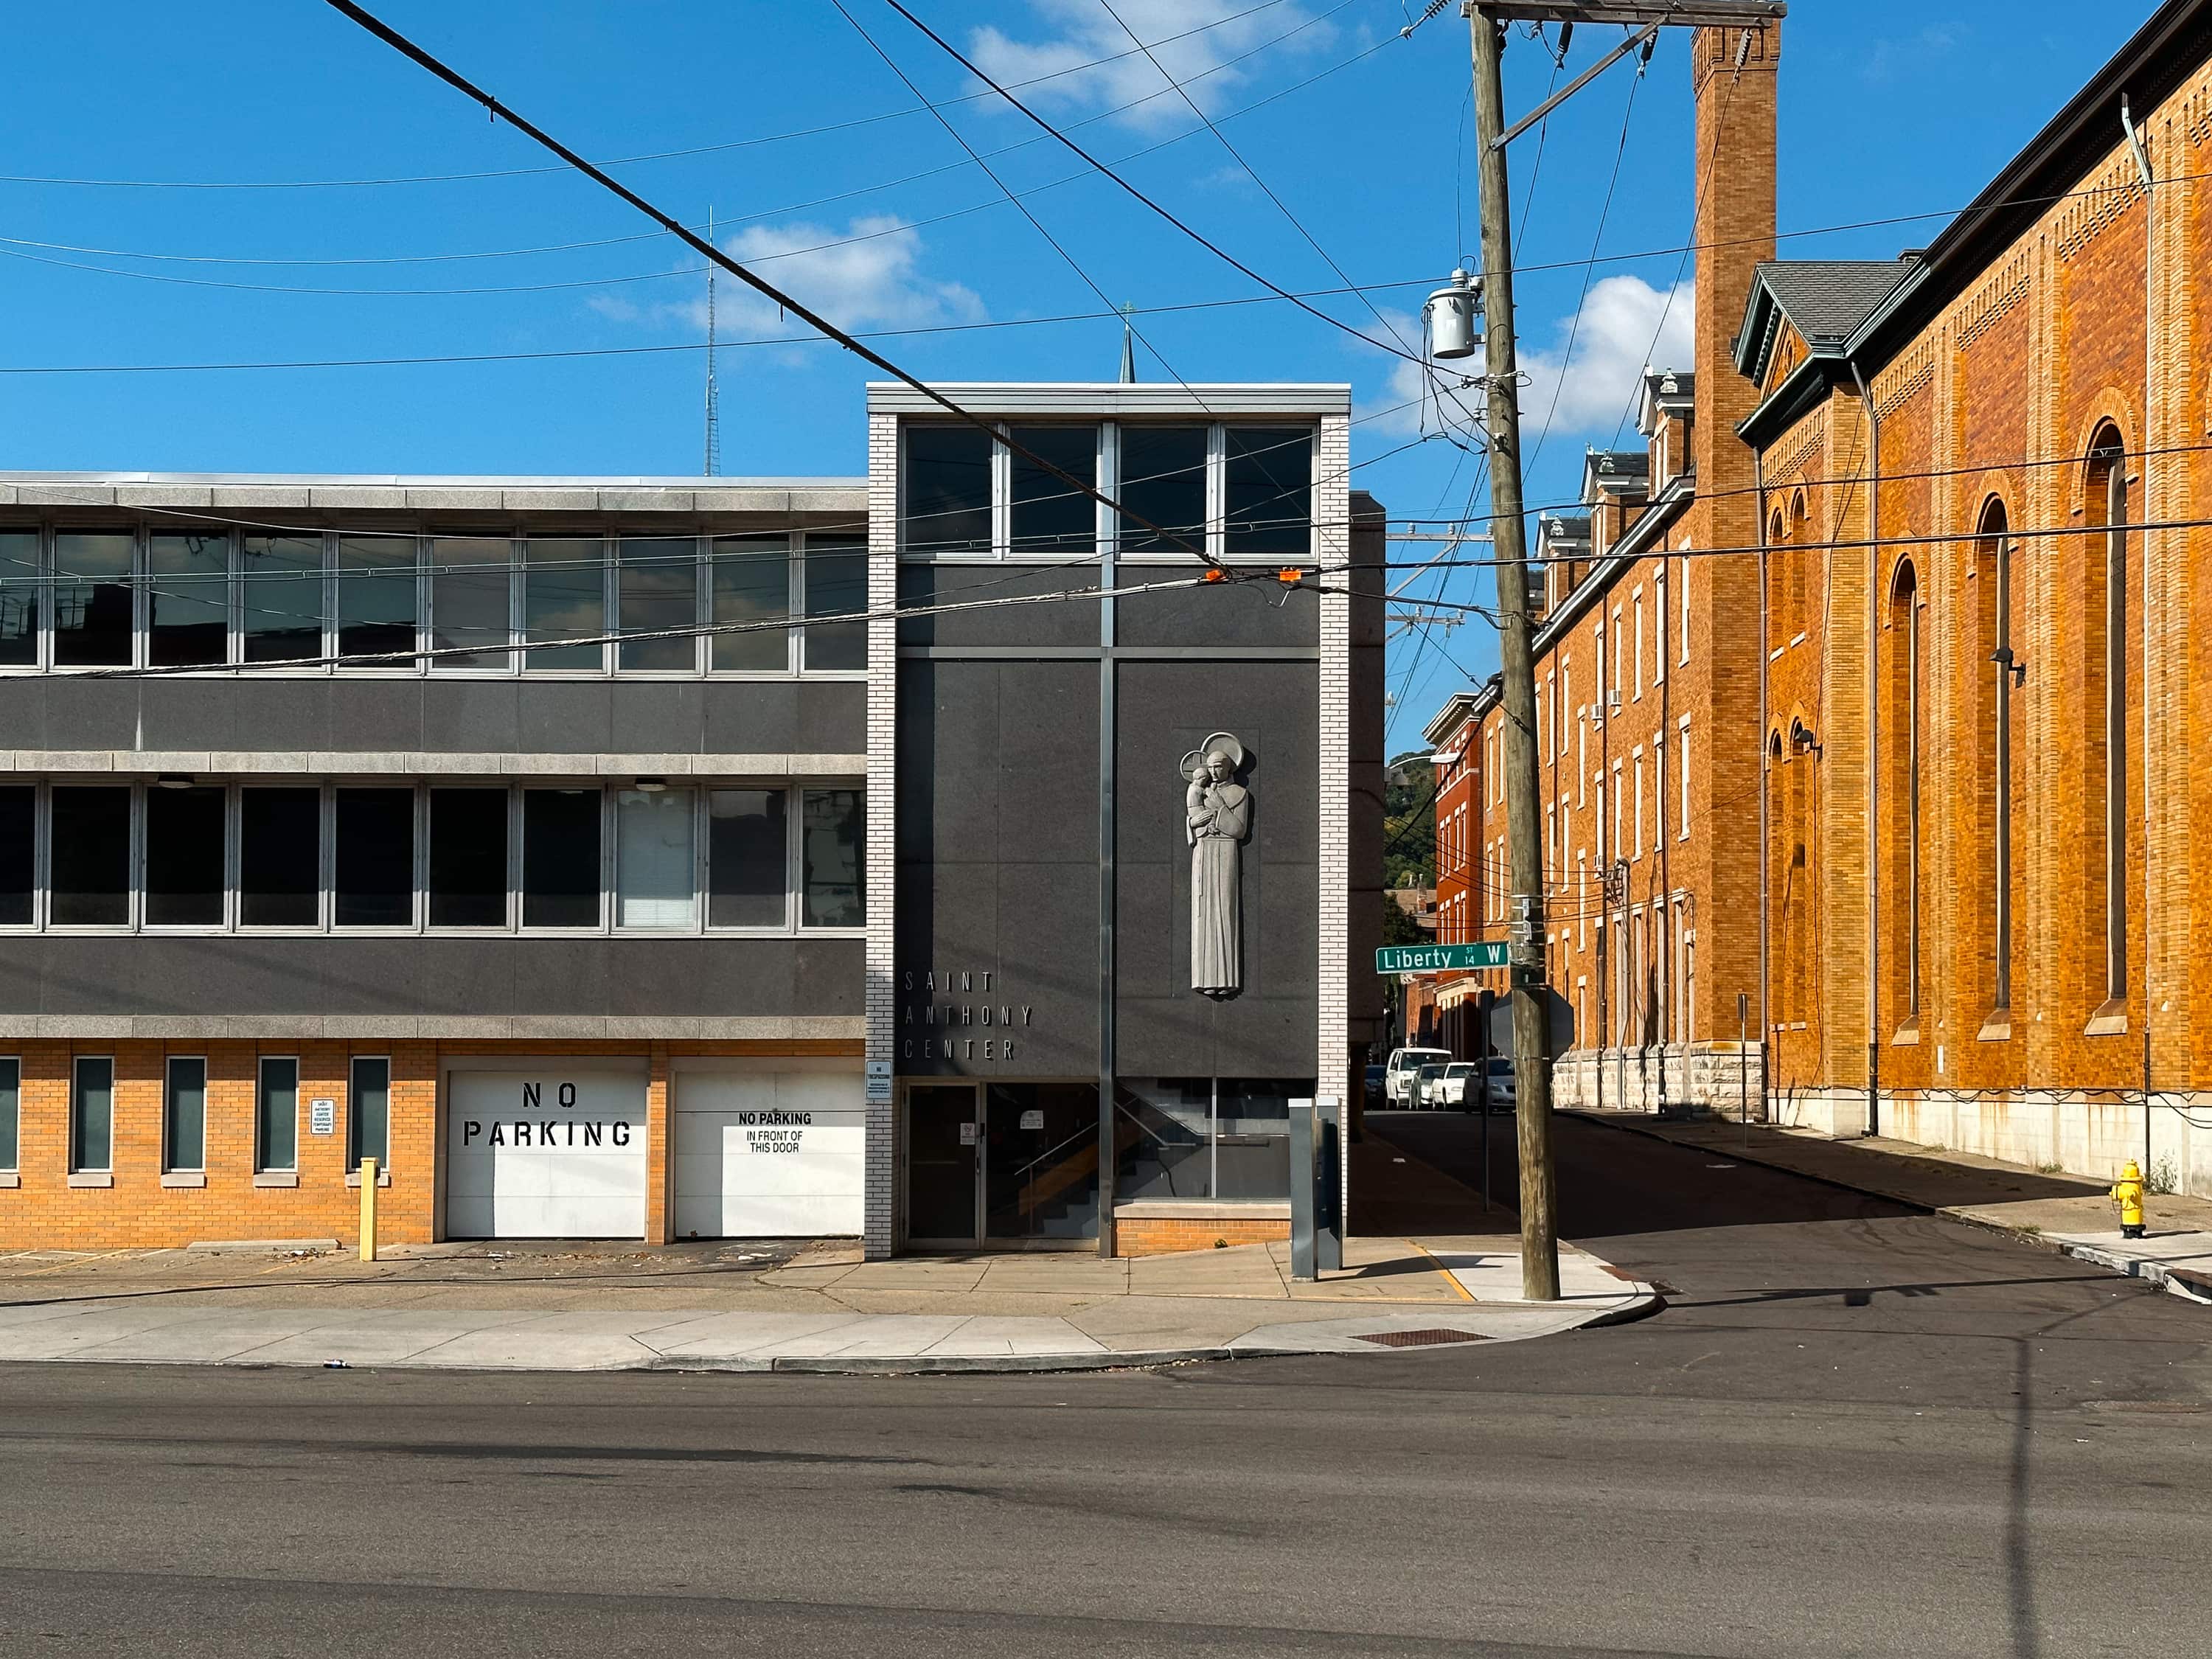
<point x="926" y="856"/>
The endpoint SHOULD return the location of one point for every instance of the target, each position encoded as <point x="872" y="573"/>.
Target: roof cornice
<point x="1660" y="517"/>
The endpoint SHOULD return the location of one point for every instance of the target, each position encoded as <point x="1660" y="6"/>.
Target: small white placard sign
<point x="880" y="1080"/>
<point x="322" y="1117"/>
<point x="1033" y="1119"/>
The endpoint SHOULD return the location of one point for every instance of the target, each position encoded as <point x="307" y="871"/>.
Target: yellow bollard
<point x="368" y="1209"/>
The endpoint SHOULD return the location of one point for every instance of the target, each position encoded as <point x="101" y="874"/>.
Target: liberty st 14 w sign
<point x="1433" y="958"/>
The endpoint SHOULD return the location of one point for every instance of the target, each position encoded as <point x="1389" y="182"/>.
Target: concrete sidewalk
<point x="2067" y="1214"/>
<point x="794" y="1308"/>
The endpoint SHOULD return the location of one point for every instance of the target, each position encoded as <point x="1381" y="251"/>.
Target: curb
<point x="2188" y="1284"/>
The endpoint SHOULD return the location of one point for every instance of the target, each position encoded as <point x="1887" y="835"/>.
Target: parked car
<point x="1372" y="1086"/>
<point x="1504" y="1090"/>
<point x="1424" y="1093"/>
<point x="1459" y="1077"/>
<point x="1398" y="1080"/>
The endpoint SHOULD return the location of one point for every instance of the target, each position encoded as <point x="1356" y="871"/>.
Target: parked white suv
<point x="1398" y="1081"/>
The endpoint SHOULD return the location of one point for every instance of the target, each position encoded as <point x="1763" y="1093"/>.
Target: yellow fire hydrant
<point x="2128" y="1193"/>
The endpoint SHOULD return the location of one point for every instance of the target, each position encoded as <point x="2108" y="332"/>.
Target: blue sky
<point x="880" y="219"/>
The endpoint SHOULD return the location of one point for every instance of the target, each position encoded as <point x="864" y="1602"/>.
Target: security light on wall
<point x="650" y="786"/>
<point x="173" y="781"/>
<point x="1451" y="311"/>
<point x="2003" y="658"/>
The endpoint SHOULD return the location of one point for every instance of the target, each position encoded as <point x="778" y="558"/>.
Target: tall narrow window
<point x="654" y="864"/>
<point x="368" y="1114"/>
<point x="832" y="826"/>
<point x="18" y="599"/>
<point x="377" y="598"/>
<point x="1639" y="643"/>
<point x="1267" y="492"/>
<point x="948" y="491"/>
<point x="90" y="856"/>
<point x="374" y="884"/>
<point x="281" y="602"/>
<point x="184" y="857"/>
<point x="659" y="592"/>
<point x="836" y="586"/>
<point x="1682" y="772"/>
<point x="1683" y="583"/>
<point x="468" y="857"/>
<point x="564" y="596"/>
<point x="184" y="1113"/>
<point x="280" y="857"/>
<point x="1904" y="668"/>
<point x="748" y="859"/>
<point x="187" y="600"/>
<point x="1659" y="626"/>
<point x="561" y="857"/>
<point x="1163" y="483"/>
<point x="752" y="599"/>
<point x="92" y="596"/>
<point x="468" y="600"/>
<point x="2106" y="505"/>
<point x="1993" y="567"/>
<point x="12" y="1098"/>
<point x="1051" y="518"/>
<point x="92" y="1113"/>
<point x="277" y="1115"/>
<point x="19" y="813"/>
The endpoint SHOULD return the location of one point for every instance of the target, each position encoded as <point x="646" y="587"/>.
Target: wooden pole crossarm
<point x="1719" y="13"/>
<point x="1574" y="86"/>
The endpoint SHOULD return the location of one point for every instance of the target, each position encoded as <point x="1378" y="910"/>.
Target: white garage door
<point x="545" y="1154"/>
<point x="768" y="1155"/>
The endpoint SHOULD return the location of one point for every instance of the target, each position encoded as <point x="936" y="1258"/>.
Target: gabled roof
<point x="1563" y="526"/>
<point x="1616" y="471"/>
<point x="1458" y="708"/>
<point x="1823" y="299"/>
<point x="2162" y="54"/>
<point x="1666" y="390"/>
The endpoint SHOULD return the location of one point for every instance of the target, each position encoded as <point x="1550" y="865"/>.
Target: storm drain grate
<point x="1433" y="1337"/>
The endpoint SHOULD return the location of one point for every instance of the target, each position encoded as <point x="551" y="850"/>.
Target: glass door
<point x="1040" y="1176"/>
<point x="943" y="1188"/>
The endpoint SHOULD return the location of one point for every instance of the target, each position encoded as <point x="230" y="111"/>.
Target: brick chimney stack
<point x="1733" y="71"/>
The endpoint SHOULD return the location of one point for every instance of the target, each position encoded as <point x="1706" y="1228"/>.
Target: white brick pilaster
<point x="881" y="1221"/>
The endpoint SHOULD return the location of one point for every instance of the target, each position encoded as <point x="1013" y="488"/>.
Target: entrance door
<point x="944" y="1128"/>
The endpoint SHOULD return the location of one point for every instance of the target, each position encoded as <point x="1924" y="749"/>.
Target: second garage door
<point x="768" y="1154"/>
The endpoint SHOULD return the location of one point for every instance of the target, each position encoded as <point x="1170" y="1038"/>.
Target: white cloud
<point x="868" y="275"/>
<point x="1626" y="326"/>
<point x="1082" y="31"/>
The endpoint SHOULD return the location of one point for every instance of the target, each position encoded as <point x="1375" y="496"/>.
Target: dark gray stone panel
<point x="289" y="715"/>
<point x="564" y="717"/>
<point x="1258" y="613"/>
<point x="658" y="717"/>
<point x="1058" y="621"/>
<point x="83" y="714"/>
<point x="472" y="716"/>
<point x="188" y="714"/>
<point x="750" y="717"/>
<point x="833" y="718"/>
<point x="377" y="716"/>
<point x="948" y="761"/>
<point x="23" y="710"/>
<point x="560" y="975"/>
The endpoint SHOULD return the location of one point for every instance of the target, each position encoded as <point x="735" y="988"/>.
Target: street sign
<point x="1431" y="958"/>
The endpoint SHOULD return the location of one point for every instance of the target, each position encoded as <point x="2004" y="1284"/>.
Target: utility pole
<point x="1539" y="1233"/>
<point x="1487" y="21"/>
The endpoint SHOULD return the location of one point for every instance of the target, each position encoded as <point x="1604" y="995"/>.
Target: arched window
<point x="1798" y="583"/>
<point x="2105" y="504"/>
<point x="1904" y="668"/>
<point x="1993" y="572"/>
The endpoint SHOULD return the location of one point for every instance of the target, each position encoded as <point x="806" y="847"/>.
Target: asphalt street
<point x="1854" y="1430"/>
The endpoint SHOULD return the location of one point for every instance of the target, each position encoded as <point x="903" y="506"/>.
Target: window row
<point x="497" y="605"/>
<point x="1239" y="492"/>
<point x="642" y="858"/>
<point x="276" y="1107"/>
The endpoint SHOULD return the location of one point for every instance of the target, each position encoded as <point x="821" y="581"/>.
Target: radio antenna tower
<point x="713" y="394"/>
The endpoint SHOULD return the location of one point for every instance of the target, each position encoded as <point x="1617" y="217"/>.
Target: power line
<point x="1107" y="172"/>
<point x="401" y="43"/>
<point x="632" y="160"/>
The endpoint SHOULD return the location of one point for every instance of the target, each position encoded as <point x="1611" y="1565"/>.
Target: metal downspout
<point x="1874" y="755"/>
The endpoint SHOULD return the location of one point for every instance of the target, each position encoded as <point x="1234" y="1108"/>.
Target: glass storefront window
<point x="748" y="859"/>
<point x="281" y="603"/>
<point x="376" y="581"/>
<point x="752" y="593"/>
<point x="18" y="599"/>
<point x="652" y="859"/>
<point x="188" y="600"/>
<point x="92" y="598"/>
<point x="1225" y="1138"/>
<point x="832" y="830"/>
<point x="948" y="491"/>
